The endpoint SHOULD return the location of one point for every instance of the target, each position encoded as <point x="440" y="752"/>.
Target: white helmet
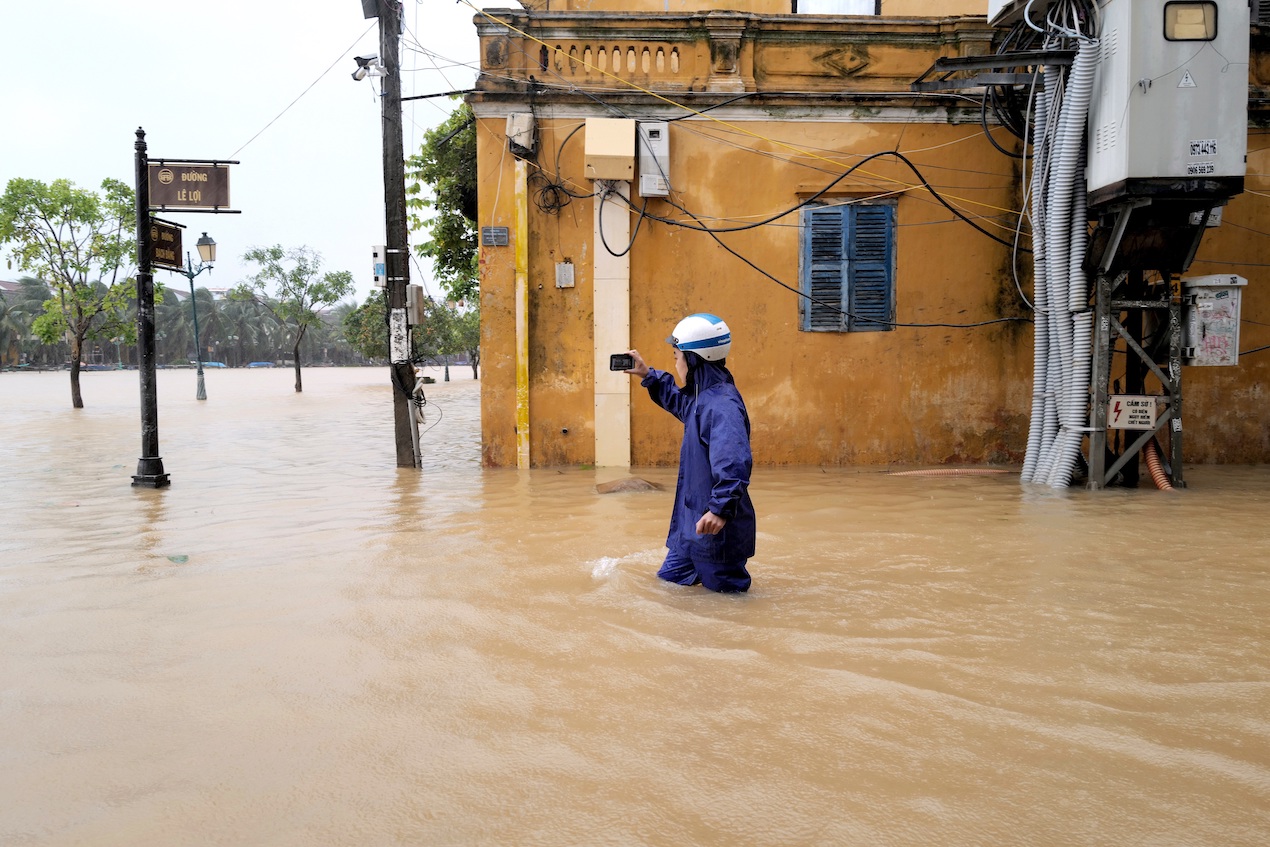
<point x="704" y="334"/>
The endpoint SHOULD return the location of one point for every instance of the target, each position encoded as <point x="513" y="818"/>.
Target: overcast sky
<point x="205" y="80"/>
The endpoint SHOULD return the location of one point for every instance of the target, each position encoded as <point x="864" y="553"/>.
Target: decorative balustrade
<point x="717" y="51"/>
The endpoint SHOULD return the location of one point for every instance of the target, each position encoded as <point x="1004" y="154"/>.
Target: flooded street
<point x="299" y="644"/>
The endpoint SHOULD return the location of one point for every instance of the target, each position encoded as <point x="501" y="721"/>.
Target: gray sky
<point x="203" y="78"/>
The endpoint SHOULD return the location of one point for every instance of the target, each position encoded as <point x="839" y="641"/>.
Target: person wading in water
<point x="712" y="527"/>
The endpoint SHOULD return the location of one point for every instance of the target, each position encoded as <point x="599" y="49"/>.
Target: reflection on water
<point x="300" y="644"/>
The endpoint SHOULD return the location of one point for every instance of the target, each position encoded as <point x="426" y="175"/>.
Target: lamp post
<point x="207" y="254"/>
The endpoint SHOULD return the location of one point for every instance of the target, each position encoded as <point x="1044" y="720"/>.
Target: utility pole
<point x="397" y="260"/>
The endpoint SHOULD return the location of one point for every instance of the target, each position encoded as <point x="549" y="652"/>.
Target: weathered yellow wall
<point x="912" y="395"/>
<point x="915" y="395"/>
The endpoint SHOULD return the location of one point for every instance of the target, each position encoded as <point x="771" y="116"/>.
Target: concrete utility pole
<point x="397" y="260"/>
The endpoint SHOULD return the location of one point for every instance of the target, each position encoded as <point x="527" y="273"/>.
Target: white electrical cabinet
<point x="1169" y="115"/>
<point x="1210" y="320"/>
<point x="654" y="158"/>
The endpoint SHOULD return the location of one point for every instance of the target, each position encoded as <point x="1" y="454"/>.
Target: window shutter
<point x="871" y="248"/>
<point x="825" y="264"/>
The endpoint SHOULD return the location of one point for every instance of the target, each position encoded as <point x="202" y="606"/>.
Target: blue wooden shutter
<point x="824" y="268"/>
<point x="870" y="245"/>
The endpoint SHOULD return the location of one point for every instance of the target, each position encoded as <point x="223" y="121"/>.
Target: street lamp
<point x="207" y="254"/>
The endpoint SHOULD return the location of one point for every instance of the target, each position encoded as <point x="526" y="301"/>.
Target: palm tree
<point x="12" y="330"/>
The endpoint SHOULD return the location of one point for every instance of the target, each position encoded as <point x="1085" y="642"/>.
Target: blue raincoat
<point x="714" y="473"/>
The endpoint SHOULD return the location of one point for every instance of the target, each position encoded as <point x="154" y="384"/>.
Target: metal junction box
<point x="1169" y="116"/>
<point x="1210" y="319"/>
<point x="654" y="158"/>
<point x="610" y="149"/>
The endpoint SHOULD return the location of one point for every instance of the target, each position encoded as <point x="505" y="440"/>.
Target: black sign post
<point x="187" y="185"/>
<point x="150" y="473"/>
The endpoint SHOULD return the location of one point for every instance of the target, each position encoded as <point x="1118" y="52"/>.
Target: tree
<point x="26" y="304"/>
<point x="82" y="245"/>
<point x="366" y="327"/>
<point x="12" y="328"/>
<point x="302" y="290"/>
<point x="467" y="337"/>
<point x="446" y="163"/>
<point x="434" y="338"/>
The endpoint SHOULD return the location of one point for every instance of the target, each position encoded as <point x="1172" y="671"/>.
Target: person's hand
<point x="640" y="369"/>
<point x="710" y="524"/>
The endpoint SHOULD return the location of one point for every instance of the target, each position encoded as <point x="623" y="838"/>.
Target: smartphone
<point x="621" y="362"/>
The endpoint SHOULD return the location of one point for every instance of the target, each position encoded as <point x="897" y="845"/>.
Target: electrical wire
<point x="813" y="197"/>
<point x="630" y="85"/>
<point x="301" y="95"/>
<point x="609" y="191"/>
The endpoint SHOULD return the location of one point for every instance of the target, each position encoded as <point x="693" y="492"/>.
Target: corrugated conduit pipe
<point x="1076" y="404"/>
<point x="1040" y="296"/>
<point x="1075" y="330"/>
<point x="1055" y="288"/>
<point x="1156" y="466"/>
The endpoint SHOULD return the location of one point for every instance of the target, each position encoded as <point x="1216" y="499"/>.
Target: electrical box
<point x="1210" y="319"/>
<point x="379" y="262"/>
<point x="1169" y="117"/>
<point x="654" y="158"/>
<point x="564" y="274"/>
<point x="610" y="149"/>
<point x="414" y="305"/>
<point x="1007" y="12"/>
<point x="520" y="132"/>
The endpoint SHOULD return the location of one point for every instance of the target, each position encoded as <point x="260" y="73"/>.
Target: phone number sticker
<point x="1203" y="147"/>
<point x="1201" y="169"/>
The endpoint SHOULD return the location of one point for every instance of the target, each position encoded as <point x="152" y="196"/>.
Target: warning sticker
<point x="1188" y="81"/>
<point x="1131" y="412"/>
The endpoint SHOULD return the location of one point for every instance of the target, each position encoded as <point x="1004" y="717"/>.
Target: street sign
<point x="188" y="186"/>
<point x="165" y="245"/>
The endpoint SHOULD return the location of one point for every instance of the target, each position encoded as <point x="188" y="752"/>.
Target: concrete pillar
<point x="611" y="316"/>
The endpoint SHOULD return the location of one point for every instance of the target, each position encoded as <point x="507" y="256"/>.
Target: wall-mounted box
<point x="1210" y="319"/>
<point x="654" y="158"/>
<point x="520" y="131"/>
<point x="610" y="149"/>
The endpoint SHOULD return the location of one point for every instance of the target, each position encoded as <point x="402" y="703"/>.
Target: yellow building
<point x="781" y="136"/>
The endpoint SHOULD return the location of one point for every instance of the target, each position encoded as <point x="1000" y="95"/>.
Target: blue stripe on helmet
<point x="706" y="343"/>
<point x="714" y="319"/>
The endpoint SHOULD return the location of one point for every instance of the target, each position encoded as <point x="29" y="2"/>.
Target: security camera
<point x="366" y="65"/>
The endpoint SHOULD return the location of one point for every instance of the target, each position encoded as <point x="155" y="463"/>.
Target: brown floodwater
<point x="298" y="643"/>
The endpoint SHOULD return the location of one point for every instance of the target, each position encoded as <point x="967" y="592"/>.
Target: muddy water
<point x="299" y="644"/>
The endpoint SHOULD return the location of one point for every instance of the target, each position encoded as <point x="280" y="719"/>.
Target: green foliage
<point x="467" y="336"/>
<point x="81" y="244"/>
<point x="446" y="332"/>
<point x="366" y="327"/>
<point x="446" y="164"/>
<point x="300" y="289"/>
